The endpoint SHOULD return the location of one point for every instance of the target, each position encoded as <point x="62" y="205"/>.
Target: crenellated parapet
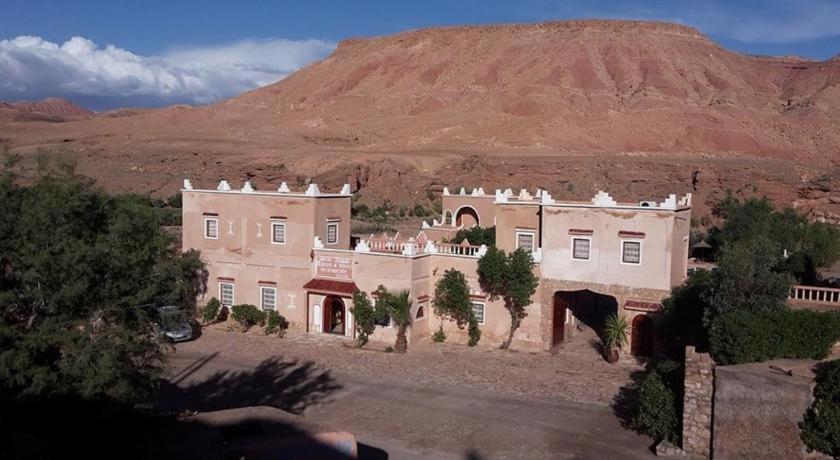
<point x="312" y="190"/>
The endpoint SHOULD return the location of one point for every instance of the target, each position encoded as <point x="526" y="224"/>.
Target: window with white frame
<point x="226" y="294"/>
<point x="631" y="252"/>
<point x="268" y="298"/>
<point x="211" y="228"/>
<point x="525" y="240"/>
<point x="478" y="311"/>
<point x="332" y="232"/>
<point x="278" y="232"/>
<point x="580" y="248"/>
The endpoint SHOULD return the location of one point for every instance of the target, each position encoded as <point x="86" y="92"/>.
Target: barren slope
<point x="632" y="107"/>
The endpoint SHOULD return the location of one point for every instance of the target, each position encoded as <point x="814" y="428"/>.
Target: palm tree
<point x="399" y="306"/>
<point x="615" y="336"/>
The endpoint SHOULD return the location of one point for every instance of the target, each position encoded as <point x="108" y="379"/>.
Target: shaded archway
<point x="467" y="216"/>
<point x="588" y="307"/>
<point x="641" y="336"/>
<point x="561" y="311"/>
<point x="334" y="320"/>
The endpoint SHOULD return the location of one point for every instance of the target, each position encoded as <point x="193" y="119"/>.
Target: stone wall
<point x="697" y="403"/>
<point x="757" y="409"/>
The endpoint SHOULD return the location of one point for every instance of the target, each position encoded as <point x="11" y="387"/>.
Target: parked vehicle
<point x="173" y="323"/>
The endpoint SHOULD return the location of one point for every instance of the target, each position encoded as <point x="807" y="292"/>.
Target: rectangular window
<point x="268" y="296"/>
<point x="211" y="228"/>
<point x="332" y="233"/>
<point x="631" y="252"/>
<point x="525" y="240"/>
<point x="226" y="294"/>
<point x="580" y="248"/>
<point x="478" y="311"/>
<point x="278" y="232"/>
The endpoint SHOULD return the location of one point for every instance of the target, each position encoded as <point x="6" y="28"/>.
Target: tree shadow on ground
<point x="180" y="425"/>
<point x="288" y="385"/>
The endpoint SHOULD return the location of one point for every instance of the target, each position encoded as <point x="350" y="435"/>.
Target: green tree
<point x="398" y="308"/>
<point x="476" y="236"/>
<point x="684" y="310"/>
<point x="80" y="271"/>
<point x="452" y="301"/>
<point x="820" y="429"/>
<point x="659" y="409"/>
<point x="511" y="278"/>
<point x="364" y="317"/>
<point x="745" y="279"/>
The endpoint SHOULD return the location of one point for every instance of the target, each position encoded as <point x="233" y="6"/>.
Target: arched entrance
<point x="561" y="308"/>
<point x="641" y="336"/>
<point x="588" y="307"/>
<point x="334" y="320"/>
<point x="466" y="216"/>
<point x="447" y="218"/>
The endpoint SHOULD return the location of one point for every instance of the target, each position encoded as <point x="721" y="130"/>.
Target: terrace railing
<point x="815" y="294"/>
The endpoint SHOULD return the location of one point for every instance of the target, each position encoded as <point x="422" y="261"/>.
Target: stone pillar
<point x="697" y="403"/>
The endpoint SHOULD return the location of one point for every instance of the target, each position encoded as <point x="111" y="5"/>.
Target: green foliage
<point x="510" y="277"/>
<point x="744" y="336"/>
<point x="476" y="236"/>
<point x="364" y="316"/>
<point x="659" y="409"/>
<point x="79" y="273"/>
<point x="745" y="279"/>
<point x="473" y="331"/>
<point x="420" y="211"/>
<point x="452" y="297"/>
<point x="275" y="323"/>
<point x="398" y="308"/>
<point x="211" y="310"/>
<point x="684" y="310"/>
<point x="389" y="349"/>
<point x="820" y="429"/>
<point x="247" y="315"/>
<point x="439" y="336"/>
<point x="809" y="245"/>
<point x="615" y="331"/>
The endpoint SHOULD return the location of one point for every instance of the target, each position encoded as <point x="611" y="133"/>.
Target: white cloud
<point x="34" y="68"/>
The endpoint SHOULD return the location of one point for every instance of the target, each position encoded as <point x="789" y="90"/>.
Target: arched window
<point x="420" y="312"/>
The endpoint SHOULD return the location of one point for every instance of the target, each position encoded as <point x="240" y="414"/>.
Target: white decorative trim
<point x="446" y="190"/>
<point x="670" y="202"/>
<point x="313" y="190"/>
<point x="283" y="188"/>
<point x="603" y="198"/>
<point x="262" y="297"/>
<point x="545" y="198"/>
<point x="500" y="196"/>
<point x="187" y="184"/>
<point x="481" y="250"/>
<point x="247" y="187"/>
<point x="273" y="233"/>
<point x="425" y="225"/>
<point x="621" y="252"/>
<point x="362" y="246"/>
<point x="232" y="293"/>
<point x="206" y="236"/>
<point x="345" y="189"/>
<point x="463" y="191"/>
<point x="533" y="238"/>
<point x="224" y="186"/>
<point x="317" y="243"/>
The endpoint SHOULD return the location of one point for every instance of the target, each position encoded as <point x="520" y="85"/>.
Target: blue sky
<point x="151" y="53"/>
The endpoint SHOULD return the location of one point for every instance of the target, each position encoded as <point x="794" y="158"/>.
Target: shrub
<point x="476" y="236"/>
<point x="364" y="316"/>
<point x="247" y="315"/>
<point x="820" y="429"/>
<point x="275" y="322"/>
<point x="211" y="310"/>
<point x="744" y="337"/>
<point x="659" y="411"/>
<point x="389" y="349"/>
<point x="439" y="336"/>
<point x="473" y="331"/>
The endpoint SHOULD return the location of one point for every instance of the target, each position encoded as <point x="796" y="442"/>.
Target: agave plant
<point x="615" y="335"/>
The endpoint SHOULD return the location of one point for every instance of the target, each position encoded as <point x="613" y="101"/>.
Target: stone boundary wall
<point x="697" y="403"/>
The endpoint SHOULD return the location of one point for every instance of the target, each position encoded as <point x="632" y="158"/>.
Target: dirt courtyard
<point x="438" y="401"/>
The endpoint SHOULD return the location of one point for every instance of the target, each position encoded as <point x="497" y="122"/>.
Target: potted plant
<point x="615" y="336"/>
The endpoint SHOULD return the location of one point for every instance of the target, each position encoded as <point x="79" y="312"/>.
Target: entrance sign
<point x="333" y="267"/>
<point x="641" y="305"/>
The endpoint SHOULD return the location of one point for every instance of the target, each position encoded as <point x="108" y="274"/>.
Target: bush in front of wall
<point x="211" y="310"/>
<point x="439" y="336"/>
<point x="820" y="429"/>
<point x="473" y="331"/>
<point x="659" y="410"/>
<point x="276" y="323"/>
<point x="247" y="315"/>
<point x="747" y="337"/>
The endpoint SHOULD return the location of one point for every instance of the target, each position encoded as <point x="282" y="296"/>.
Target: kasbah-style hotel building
<point x="291" y="251"/>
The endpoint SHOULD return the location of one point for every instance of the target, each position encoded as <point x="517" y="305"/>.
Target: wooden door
<point x="642" y="336"/>
<point x="559" y="323"/>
